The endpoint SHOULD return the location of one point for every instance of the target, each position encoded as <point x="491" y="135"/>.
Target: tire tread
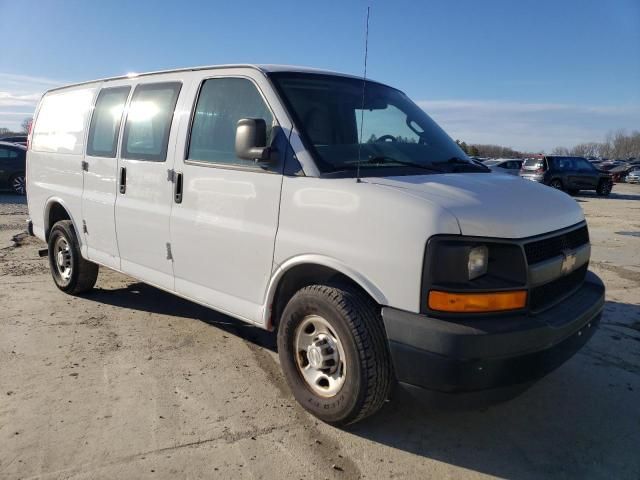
<point x="365" y="322"/>
<point x="86" y="271"/>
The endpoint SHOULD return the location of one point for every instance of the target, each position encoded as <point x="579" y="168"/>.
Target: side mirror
<point x="251" y="140"/>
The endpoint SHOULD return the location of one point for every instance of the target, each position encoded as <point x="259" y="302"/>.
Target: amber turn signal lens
<point x="477" y="302"/>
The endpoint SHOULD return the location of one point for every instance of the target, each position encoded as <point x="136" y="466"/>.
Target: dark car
<point x="570" y="174"/>
<point x="12" y="167"/>
<point x="21" y="139"/>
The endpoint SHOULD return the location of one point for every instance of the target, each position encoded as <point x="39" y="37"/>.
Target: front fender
<point x="320" y="260"/>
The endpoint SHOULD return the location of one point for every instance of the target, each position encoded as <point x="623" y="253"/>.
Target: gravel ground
<point x="131" y="382"/>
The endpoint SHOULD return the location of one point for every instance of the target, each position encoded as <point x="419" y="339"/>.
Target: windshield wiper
<point x="383" y="159"/>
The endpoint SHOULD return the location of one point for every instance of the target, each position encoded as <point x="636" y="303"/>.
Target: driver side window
<point x="221" y="104"/>
<point x="388" y="124"/>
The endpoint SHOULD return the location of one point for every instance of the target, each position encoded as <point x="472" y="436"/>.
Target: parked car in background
<point x="511" y="166"/>
<point x="570" y="174"/>
<point x="20" y="139"/>
<point x="12" y="167"/>
<point x="619" y="172"/>
<point x="634" y="175"/>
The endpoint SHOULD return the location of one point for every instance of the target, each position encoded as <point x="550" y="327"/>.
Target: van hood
<point x="493" y="205"/>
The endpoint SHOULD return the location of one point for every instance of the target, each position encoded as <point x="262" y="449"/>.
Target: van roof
<point x="264" y="68"/>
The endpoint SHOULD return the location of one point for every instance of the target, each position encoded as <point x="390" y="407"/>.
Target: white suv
<point x="330" y="209"/>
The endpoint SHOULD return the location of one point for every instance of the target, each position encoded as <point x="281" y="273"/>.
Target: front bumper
<point x="491" y="353"/>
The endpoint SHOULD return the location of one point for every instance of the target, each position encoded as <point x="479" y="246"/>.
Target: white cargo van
<point x="323" y="206"/>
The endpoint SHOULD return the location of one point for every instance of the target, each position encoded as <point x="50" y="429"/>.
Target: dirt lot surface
<point x="131" y="382"/>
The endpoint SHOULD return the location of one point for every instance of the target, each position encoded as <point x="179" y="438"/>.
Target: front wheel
<point x="604" y="188"/>
<point x="18" y="184"/>
<point x="71" y="273"/>
<point x="333" y="352"/>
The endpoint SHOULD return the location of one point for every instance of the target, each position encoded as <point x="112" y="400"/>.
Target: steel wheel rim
<point x="19" y="185"/>
<point x="557" y="185"/>
<point x="62" y="259"/>
<point x="320" y="357"/>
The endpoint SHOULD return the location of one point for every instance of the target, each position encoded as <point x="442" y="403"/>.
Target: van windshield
<point x="390" y="135"/>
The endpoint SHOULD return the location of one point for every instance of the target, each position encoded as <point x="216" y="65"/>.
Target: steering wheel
<point x="386" y="138"/>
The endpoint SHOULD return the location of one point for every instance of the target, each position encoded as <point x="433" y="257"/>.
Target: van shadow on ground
<point x="580" y="421"/>
<point x="143" y="297"/>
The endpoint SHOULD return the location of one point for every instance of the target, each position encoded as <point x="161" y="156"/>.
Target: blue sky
<point x="527" y="74"/>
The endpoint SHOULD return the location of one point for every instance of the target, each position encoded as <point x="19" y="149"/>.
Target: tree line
<point x="617" y="145"/>
<point x="491" y="151"/>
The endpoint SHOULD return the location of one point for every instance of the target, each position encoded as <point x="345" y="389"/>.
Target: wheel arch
<point x="305" y="270"/>
<point x="56" y="210"/>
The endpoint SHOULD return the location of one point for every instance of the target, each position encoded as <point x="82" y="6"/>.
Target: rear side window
<point x="6" y="153"/>
<point x="105" y="122"/>
<point x="146" y="133"/>
<point x="583" y="165"/>
<point x="62" y="120"/>
<point x="222" y="102"/>
<point x="563" y="163"/>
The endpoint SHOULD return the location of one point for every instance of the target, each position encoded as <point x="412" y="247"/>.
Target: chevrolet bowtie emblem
<point x="568" y="262"/>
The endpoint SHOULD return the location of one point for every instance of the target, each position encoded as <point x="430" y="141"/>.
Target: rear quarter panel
<point x="56" y="150"/>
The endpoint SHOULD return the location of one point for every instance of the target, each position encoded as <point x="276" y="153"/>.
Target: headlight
<point x="459" y="265"/>
<point x="478" y="261"/>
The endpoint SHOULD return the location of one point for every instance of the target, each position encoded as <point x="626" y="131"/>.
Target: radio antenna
<point x="364" y="84"/>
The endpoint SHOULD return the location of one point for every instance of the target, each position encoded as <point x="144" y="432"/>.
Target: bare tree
<point x="589" y="149"/>
<point x="26" y="124"/>
<point x="563" y="151"/>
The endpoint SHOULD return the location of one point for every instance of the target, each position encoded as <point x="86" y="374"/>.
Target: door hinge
<point x="84" y="227"/>
<point x="171" y="175"/>
<point x="85" y="165"/>
<point x="169" y="254"/>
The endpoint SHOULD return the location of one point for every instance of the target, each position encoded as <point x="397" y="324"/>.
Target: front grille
<point x="546" y="248"/>
<point x="549" y="293"/>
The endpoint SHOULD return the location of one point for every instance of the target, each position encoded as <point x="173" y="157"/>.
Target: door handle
<point x="85" y="165"/>
<point x="177" y="192"/>
<point x="123" y="179"/>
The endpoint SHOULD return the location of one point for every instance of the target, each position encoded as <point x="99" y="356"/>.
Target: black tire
<point x="556" y="183"/>
<point x="604" y="188"/>
<point x="18" y="184"/>
<point x="71" y="273"/>
<point x="356" y="321"/>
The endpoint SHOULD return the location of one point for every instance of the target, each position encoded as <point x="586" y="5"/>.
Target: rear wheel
<point x="71" y="273"/>
<point x="18" y="184"/>
<point x="604" y="188"/>
<point x="556" y="183"/>
<point x="333" y="352"/>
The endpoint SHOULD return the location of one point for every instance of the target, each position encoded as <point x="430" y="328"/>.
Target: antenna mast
<point x="364" y="83"/>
